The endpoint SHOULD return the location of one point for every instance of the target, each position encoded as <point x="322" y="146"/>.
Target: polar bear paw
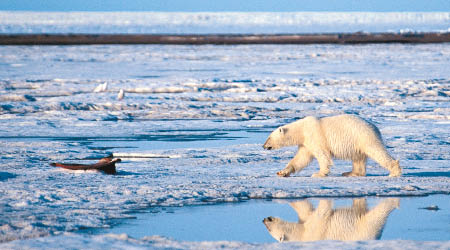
<point x="349" y="174"/>
<point x="395" y="174"/>
<point x="283" y="173"/>
<point x="394" y="202"/>
<point x="319" y="174"/>
<point x="395" y="169"/>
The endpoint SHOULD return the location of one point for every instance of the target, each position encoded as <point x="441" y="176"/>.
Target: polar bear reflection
<point x="326" y="223"/>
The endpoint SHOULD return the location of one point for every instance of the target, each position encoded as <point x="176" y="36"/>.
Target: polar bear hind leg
<point x="372" y="223"/>
<point x="382" y="157"/>
<point x="359" y="166"/>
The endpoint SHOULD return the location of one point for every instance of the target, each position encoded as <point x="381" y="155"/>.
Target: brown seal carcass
<point x="107" y="165"/>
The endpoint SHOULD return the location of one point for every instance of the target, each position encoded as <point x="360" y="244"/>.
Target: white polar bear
<point x="346" y="137"/>
<point x="326" y="223"/>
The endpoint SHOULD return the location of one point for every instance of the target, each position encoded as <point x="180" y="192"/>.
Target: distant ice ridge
<point x="222" y="22"/>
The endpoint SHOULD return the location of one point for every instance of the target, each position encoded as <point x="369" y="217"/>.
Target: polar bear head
<point x="282" y="230"/>
<point x="280" y="137"/>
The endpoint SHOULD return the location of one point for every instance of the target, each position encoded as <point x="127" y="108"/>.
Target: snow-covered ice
<point x="111" y="241"/>
<point x="203" y="113"/>
<point x="222" y="22"/>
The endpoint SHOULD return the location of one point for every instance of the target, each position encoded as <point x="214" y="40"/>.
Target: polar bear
<point x="346" y="137"/>
<point x="326" y="223"/>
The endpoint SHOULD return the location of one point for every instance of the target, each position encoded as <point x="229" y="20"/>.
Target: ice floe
<point x="200" y="121"/>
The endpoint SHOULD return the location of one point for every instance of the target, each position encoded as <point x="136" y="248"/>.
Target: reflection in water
<point x="325" y="223"/>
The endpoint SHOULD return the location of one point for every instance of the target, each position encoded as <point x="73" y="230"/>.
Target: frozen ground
<point x="209" y="109"/>
<point x="222" y="22"/>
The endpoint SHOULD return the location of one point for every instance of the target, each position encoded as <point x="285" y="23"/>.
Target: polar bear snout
<point x="270" y="218"/>
<point x="267" y="145"/>
<point x="267" y="221"/>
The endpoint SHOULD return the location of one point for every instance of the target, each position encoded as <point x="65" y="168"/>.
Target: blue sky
<point x="226" y="5"/>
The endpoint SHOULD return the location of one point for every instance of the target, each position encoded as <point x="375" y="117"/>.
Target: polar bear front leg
<point x="304" y="209"/>
<point x="288" y="170"/>
<point x="325" y="162"/>
<point x="300" y="161"/>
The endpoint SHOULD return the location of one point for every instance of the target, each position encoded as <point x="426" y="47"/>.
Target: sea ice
<point x="221" y="22"/>
<point x="205" y="112"/>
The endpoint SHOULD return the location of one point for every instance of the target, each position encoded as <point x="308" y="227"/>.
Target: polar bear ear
<point x="282" y="130"/>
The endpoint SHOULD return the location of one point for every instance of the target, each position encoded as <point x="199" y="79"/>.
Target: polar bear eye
<point x="280" y="130"/>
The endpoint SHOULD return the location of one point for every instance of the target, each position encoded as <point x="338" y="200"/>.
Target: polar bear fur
<point x="326" y="223"/>
<point x="346" y="137"/>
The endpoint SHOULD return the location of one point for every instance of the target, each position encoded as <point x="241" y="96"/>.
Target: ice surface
<point x="209" y="109"/>
<point x="221" y="22"/>
<point x="113" y="241"/>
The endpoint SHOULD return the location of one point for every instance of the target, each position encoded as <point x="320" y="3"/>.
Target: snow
<point x="156" y="242"/>
<point x="192" y="125"/>
<point x="221" y="22"/>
